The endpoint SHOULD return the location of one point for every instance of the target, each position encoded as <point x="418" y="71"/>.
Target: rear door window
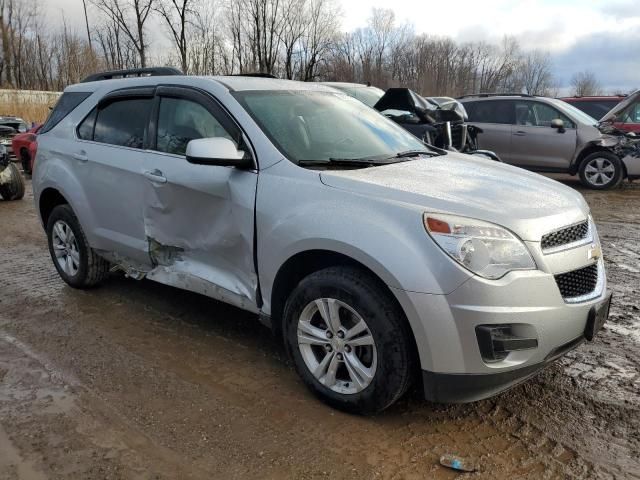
<point x="65" y="105"/>
<point x="490" y="111"/>
<point x="123" y="122"/>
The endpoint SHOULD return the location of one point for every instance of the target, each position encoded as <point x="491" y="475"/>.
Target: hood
<point x="528" y="204"/>
<point x="613" y="113"/>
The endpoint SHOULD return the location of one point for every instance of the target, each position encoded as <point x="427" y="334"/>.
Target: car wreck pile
<point x="438" y="123"/>
<point x="11" y="181"/>
<point x="621" y="143"/>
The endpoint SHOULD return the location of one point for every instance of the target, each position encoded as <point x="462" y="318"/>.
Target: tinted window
<point x="85" y="129"/>
<point x="66" y="104"/>
<point x="597" y="109"/>
<point x="536" y="114"/>
<point x="631" y="114"/>
<point x="123" y="122"/>
<point x="490" y="111"/>
<point x="181" y="121"/>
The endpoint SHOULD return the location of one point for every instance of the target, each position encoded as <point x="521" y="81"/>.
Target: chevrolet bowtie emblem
<point x="595" y="252"/>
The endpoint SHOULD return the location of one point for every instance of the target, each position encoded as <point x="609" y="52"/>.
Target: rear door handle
<point x="519" y="133"/>
<point x="155" y="176"/>
<point x="81" y="157"/>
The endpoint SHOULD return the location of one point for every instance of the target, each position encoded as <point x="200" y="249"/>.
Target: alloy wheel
<point x="65" y="247"/>
<point x="337" y="346"/>
<point x="599" y="171"/>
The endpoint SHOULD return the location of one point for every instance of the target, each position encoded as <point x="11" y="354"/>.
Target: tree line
<point x="293" y="39"/>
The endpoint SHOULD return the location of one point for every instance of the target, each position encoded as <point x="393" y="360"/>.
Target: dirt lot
<point x="138" y="380"/>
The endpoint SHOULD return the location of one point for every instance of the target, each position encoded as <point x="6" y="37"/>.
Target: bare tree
<point x="131" y="17"/>
<point x="178" y="17"/>
<point x="534" y="72"/>
<point x="585" y="83"/>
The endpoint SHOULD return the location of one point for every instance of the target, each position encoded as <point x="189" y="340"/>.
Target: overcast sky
<point x="598" y="35"/>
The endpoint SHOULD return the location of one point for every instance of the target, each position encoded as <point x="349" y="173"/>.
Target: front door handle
<point x="519" y="133"/>
<point x="155" y="176"/>
<point x="81" y="156"/>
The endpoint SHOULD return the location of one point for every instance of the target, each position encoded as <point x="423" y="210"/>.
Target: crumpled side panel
<point x="200" y="231"/>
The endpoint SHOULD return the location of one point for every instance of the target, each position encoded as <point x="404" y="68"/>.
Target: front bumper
<point x="462" y="388"/>
<point x="445" y="326"/>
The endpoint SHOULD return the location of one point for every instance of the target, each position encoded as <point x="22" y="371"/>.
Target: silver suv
<point x="549" y="135"/>
<point x="379" y="260"/>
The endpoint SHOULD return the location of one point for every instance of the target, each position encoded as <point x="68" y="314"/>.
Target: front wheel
<point x="601" y="170"/>
<point x="348" y="340"/>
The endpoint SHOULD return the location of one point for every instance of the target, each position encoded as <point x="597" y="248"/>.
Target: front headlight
<point x="486" y="249"/>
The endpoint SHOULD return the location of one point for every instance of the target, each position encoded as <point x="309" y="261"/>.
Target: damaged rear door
<point x="198" y="219"/>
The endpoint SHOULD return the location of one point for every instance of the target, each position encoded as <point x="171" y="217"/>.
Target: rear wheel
<point x="348" y="340"/>
<point x="13" y="187"/>
<point x="75" y="260"/>
<point x="601" y="170"/>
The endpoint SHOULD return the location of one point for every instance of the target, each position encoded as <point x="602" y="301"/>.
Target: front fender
<point x="297" y="214"/>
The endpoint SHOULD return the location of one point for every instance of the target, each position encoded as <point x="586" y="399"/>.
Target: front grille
<point x="578" y="282"/>
<point x="565" y="236"/>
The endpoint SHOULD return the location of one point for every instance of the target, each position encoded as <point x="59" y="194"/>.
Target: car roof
<point x="231" y="82"/>
<point x="593" y="98"/>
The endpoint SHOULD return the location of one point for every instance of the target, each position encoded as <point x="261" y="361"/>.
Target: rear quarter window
<point x="65" y="105"/>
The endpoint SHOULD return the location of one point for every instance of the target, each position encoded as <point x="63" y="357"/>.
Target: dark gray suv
<point x="548" y="135"/>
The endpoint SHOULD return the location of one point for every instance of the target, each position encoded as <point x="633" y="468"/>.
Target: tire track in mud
<point x="204" y="391"/>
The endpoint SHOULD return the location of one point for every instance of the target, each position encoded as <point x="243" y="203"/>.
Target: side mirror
<point x="557" y="124"/>
<point x="217" y="151"/>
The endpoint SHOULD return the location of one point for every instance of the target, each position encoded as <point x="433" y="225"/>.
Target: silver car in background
<point x="548" y="135"/>
<point x="379" y="261"/>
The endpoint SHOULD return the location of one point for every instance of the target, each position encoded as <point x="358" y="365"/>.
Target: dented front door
<point x="198" y="219"/>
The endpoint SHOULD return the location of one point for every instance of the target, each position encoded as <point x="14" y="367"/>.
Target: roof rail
<point x="256" y="74"/>
<point x="133" y="72"/>
<point x="497" y="94"/>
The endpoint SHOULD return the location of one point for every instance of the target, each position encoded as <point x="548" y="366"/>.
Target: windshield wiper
<point x="417" y="153"/>
<point x="344" y="161"/>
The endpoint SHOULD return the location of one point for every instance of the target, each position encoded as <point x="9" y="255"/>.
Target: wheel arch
<point x="304" y="263"/>
<point x="588" y="150"/>
<point x="50" y="198"/>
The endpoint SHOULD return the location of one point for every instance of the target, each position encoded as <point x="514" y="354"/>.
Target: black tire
<point x="25" y="159"/>
<point x="601" y="182"/>
<point x="396" y="357"/>
<point x="14" y="188"/>
<point x="92" y="268"/>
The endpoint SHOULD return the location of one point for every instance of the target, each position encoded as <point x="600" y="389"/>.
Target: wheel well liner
<point x="50" y="198"/>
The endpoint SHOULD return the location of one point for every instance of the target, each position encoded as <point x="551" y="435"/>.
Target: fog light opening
<point x="497" y="341"/>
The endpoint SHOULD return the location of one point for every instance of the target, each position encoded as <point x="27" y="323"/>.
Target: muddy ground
<point x="138" y="380"/>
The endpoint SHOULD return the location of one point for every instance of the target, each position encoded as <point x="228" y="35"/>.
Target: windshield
<point x="574" y="112"/>
<point x="324" y="126"/>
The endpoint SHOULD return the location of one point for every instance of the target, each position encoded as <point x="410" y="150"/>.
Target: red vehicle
<point x="626" y="115"/>
<point x="24" y="146"/>
<point x="595" y="106"/>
